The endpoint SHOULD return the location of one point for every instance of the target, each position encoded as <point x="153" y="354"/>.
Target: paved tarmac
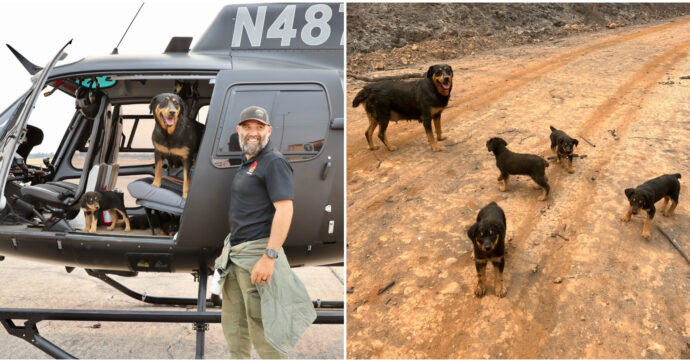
<point x="28" y="284"/>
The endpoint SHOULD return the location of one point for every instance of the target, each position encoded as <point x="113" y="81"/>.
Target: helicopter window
<point x="299" y="115"/>
<point x="52" y="115"/>
<point x="304" y="127"/>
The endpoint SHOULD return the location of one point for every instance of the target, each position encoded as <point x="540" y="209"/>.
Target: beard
<point x="253" y="148"/>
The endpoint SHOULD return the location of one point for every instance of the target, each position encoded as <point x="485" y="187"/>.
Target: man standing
<point x="264" y="303"/>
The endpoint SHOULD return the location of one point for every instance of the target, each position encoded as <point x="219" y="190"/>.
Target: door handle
<point x="326" y="168"/>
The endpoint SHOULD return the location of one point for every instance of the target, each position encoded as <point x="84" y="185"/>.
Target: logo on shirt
<point x="252" y="167"/>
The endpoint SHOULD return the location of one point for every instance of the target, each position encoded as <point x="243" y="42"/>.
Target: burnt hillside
<point x="418" y="31"/>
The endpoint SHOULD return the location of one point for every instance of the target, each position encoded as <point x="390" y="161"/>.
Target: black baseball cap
<point x="256" y="113"/>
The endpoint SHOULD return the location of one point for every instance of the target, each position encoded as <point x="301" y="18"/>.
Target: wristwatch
<point x="271" y="253"/>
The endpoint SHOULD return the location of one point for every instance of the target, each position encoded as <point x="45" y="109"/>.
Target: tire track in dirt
<point x="636" y="87"/>
<point x="477" y="99"/>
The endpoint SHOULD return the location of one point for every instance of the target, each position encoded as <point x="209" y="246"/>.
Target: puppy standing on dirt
<point x="94" y="201"/>
<point x="393" y="100"/>
<point x="488" y="239"/>
<point x="175" y="137"/>
<point x="511" y="163"/>
<point x="563" y="146"/>
<point x="644" y="196"/>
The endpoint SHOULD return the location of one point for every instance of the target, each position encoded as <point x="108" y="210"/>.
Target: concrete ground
<point x="27" y="284"/>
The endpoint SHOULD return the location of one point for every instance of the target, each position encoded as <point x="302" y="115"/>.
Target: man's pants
<point x="241" y="317"/>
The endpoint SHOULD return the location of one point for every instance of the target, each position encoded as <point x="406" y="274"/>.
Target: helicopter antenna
<point x="115" y="51"/>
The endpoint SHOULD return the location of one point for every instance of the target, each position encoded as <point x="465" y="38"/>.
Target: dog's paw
<point x="479" y="291"/>
<point x="571" y="170"/>
<point x="441" y="138"/>
<point x="111" y="227"/>
<point x="85" y="230"/>
<point x="501" y="291"/>
<point x="156" y="184"/>
<point x="645" y="234"/>
<point x="374" y="148"/>
<point x="625" y="218"/>
<point x="500" y="178"/>
<point x="542" y="198"/>
<point x="128" y="229"/>
<point x="436" y="148"/>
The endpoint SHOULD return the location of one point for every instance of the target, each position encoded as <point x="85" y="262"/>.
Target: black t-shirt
<point x="259" y="183"/>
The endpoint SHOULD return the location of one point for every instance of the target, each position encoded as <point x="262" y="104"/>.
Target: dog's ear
<point x="500" y="229"/>
<point x="430" y="72"/>
<point x="152" y="106"/>
<point x="629" y="192"/>
<point x="472" y="231"/>
<point x="182" y="105"/>
<point x="576" y="142"/>
<point x="503" y="142"/>
<point x="83" y="201"/>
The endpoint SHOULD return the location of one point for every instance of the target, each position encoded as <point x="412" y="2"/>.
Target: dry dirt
<point x="600" y="290"/>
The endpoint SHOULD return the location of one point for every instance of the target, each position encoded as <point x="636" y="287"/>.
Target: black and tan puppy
<point x="563" y="146"/>
<point x="94" y="201"/>
<point x="488" y="239"/>
<point x="644" y="196"/>
<point x="175" y="137"/>
<point x="394" y="100"/>
<point x="511" y="163"/>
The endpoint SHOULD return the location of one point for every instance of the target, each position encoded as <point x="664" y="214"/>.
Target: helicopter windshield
<point x="8" y="117"/>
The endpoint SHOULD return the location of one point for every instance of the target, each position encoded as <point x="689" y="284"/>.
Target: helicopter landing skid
<point x="200" y="319"/>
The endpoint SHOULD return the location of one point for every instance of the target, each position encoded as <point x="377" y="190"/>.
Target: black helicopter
<point x="287" y="58"/>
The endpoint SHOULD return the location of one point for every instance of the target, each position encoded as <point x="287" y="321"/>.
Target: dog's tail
<point x="553" y="129"/>
<point x="360" y="97"/>
<point x="677" y="175"/>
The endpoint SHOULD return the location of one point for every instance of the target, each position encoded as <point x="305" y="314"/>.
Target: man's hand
<point x="263" y="270"/>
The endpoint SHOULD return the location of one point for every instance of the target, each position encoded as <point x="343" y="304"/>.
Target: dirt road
<point x="27" y="284"/>
<point x="599" y="290"/>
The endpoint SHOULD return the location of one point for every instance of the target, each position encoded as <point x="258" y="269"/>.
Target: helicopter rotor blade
<point x="30" y="67"/>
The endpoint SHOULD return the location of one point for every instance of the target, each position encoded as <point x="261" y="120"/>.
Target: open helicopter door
<point x="14" y="130"/>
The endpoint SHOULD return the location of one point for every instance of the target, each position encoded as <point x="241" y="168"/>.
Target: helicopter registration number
<point x="294" y="26"/>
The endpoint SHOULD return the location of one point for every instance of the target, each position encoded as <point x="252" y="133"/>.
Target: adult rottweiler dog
<point x="511" y="163"/>
<point x="175" y="137"/>
<point x="488" y="239"/>
<point x="563" y="146"/>
<point x="111" y="201"/>
<point x="644" y="196"/>
<point x="394" y="100"/>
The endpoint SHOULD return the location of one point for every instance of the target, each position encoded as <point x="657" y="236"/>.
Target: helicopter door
<point x="8" y="145"/>
<point x="302" y="105"/>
